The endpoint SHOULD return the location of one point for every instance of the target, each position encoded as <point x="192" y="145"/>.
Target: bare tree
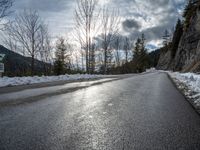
<point x="99" y="61"/>
<point x="117" y="45"/>
<point x="5" y="5"/>
<point x="45" y="49"/>
<point x="92" y="58"/>
<point x="110" y="28"/>
<point x="63" y="55"/>
<point x="26" y="30"/>
<point x="77" y="61"/>
<point x="127" y="47"/>
<point x="85" y="18"/>
<point x="82" y="59"/>
<point x="10" y="43"/>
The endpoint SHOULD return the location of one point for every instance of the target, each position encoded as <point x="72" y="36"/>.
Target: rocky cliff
<point x="187" y="56"/>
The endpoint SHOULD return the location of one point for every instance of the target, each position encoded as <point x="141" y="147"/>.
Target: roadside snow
<point x="191" y="80"/>
<point x="150" y="70"/>
<point x="190" y="84"/>
<point x="29" y="93"/>
<point x="7" y="81"/>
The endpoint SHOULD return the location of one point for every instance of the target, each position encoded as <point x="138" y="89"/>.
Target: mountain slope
<point x="18" y="65"/>
<point x="187" y="55"/>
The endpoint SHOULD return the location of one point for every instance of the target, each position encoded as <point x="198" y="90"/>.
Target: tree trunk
<point x="32" y="65"/>
<point x="87" y="66"/>
<point x="105" y="61"/>
<point x="45" y="68"/>
<point x="82" y="61"/>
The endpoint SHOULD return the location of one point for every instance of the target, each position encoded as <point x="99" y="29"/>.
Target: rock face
<point x="187" y="58"/>
<point x="165" y="60"/>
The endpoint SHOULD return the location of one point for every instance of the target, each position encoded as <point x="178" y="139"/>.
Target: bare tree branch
<point x="110" y="29"/>
<point x="86" y="25"/>
<point x="26" y="30"/>
<point x="5" y="6"/>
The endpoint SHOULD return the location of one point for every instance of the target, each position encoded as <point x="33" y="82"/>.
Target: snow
<point x="14" y="81"/>
<point x="150" y="70"/>
<point x="25" y="94"/>
<point x="188" y="83"/>
<point x="191" y="82"/>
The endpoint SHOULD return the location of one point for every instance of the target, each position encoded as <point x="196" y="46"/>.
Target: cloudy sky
<point x="151" y="17"/>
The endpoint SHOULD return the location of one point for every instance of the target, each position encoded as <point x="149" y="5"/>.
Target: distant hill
<point x="154" y="57"/>
<point x="18" y="65"/>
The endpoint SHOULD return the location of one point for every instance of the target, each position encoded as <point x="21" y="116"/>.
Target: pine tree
<point x="136" y="51"/>
<point x="143" y="48"/>
<point x="140" y="56"/>
<point x="143" y="41"/>
<point x="189" y="11"/>
<point x="166" y="38"/>
<point x="61" y="56"/>
<point x="144" y="55"/>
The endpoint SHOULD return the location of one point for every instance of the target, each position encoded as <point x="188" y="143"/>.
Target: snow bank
<point x="192" y="82"/>
<point x="150" y="70"/>
<point x="190" y="79"/>
<point x="6" y="81"/>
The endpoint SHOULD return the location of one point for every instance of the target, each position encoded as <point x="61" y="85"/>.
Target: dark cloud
<point x="153" y="33"/>
<point x="151" y="17"/>
<point x="130" y="25"/>
<point x="154" y="16"/>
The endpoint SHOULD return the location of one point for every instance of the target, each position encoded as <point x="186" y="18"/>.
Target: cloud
<point x="130" y="25"/>
<point x="58" y="14"/>
<point x="153" y="16"/>
<point x="150" y="17"/>
<point x="43" y="5"/>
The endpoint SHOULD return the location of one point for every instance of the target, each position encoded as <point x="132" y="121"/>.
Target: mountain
<point x="154" y="57"/>
<point x="18" y="65"/>
<point x="186" y="57"/>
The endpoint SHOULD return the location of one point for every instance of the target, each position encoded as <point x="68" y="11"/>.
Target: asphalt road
<point x="142" y="112"/>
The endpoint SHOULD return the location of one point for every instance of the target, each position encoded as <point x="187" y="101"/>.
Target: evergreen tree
<point x="143" y="49"/>
<point x="166" y="38"/>
<point x="144" y="54"/>
<point x="140" y="56"/>
<point x="61" y="56"/>
<point x="189" y="11"/>
<point x="136" y="51"/>
<point x="143" y="41"/>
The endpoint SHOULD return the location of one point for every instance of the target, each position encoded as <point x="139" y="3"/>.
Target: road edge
<point x="182" y="92"/>
<point x="36" y="98"/>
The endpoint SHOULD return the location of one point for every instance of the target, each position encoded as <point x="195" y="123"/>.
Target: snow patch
<point x="7" y="81"/>
<point x="150" y="70"/>
<point x="190" y="84"/>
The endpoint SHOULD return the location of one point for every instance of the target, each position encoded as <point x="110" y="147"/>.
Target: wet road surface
<point x="142" y="112"/>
